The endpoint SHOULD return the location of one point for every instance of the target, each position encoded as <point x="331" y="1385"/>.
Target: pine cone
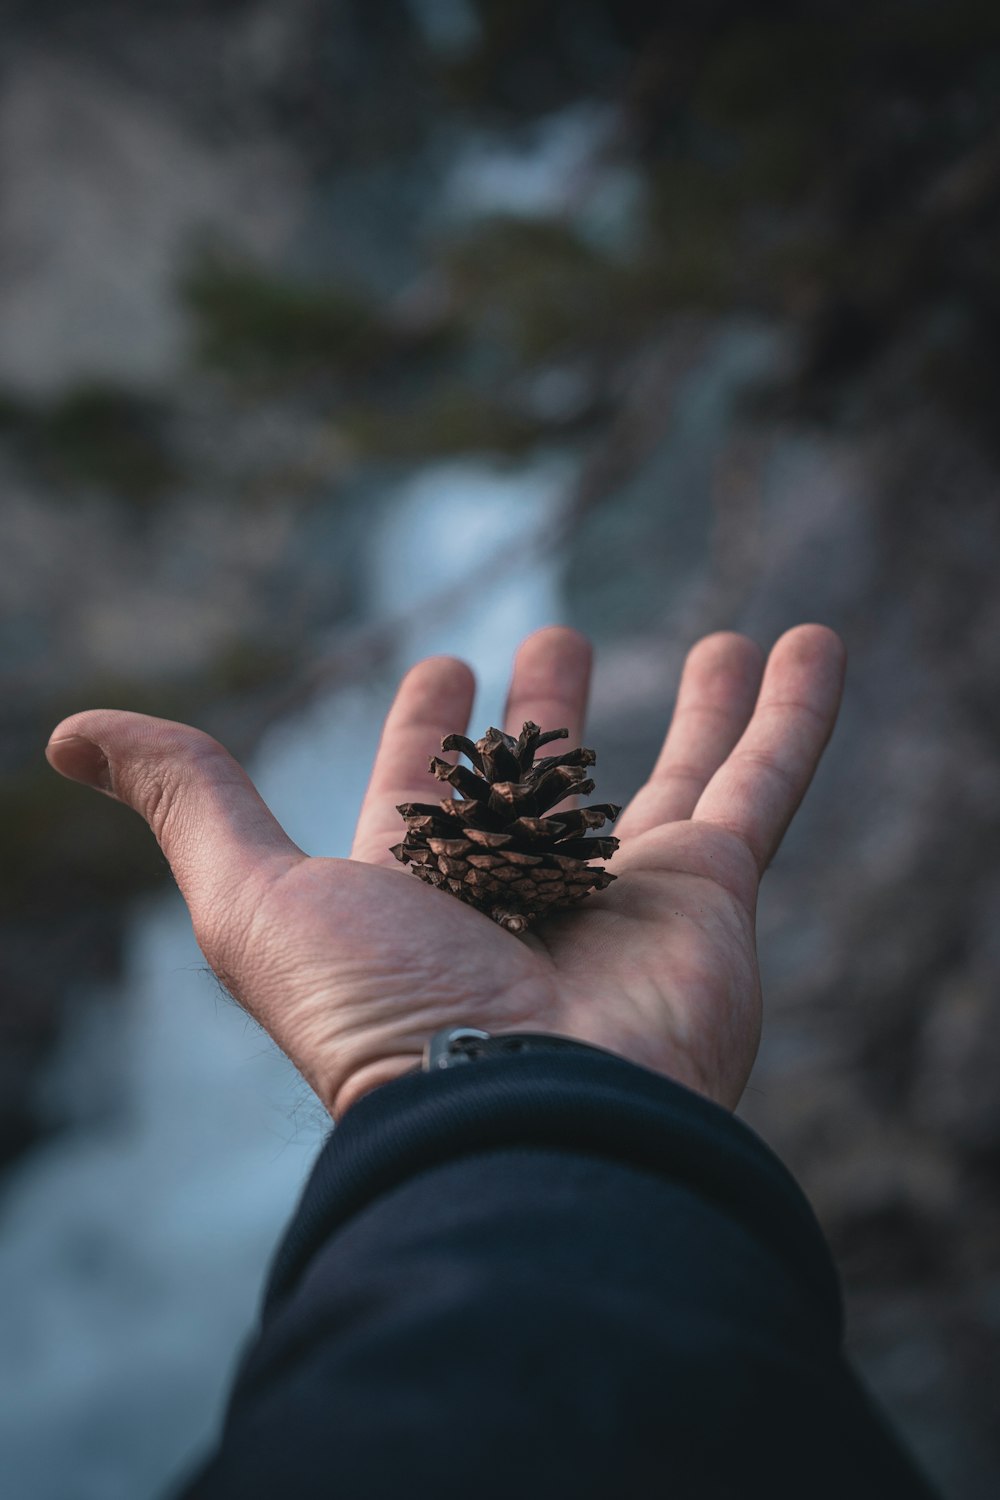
<point x="491" y="846"/>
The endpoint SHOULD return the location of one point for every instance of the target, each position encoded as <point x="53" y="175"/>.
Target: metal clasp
<point x="444" y="1048"/>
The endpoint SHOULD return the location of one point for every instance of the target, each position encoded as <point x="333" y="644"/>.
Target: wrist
<point x="380" y="1056"/>
<point x="452" y="1046"/>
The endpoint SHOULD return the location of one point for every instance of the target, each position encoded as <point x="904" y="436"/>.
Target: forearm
<point x="550" y="1275"/>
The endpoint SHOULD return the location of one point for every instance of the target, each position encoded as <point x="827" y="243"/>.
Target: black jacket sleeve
<point x="551" y="1275"/>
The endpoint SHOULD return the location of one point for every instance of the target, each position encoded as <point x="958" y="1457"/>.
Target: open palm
<point x="352" y="964"/>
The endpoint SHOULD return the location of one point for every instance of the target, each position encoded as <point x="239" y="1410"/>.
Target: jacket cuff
<point x="597" y="1104"/>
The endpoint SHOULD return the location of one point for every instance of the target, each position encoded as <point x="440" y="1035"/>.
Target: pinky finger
<point x="756" y="791"/>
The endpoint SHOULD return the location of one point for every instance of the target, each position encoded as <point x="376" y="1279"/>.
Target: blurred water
<point x="133" y="1249"/>
<point x="564" y="166"/>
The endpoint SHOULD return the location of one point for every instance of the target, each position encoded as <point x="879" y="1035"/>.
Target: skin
<point x="352" y="964"/>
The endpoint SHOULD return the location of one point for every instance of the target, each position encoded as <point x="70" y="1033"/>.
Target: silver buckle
<point x="444" y="1048"/>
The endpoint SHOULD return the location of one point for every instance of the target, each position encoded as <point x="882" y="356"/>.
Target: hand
<point x="352" y="964"/>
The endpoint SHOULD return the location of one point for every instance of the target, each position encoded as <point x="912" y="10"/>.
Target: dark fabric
<point x="551" y="1275"/>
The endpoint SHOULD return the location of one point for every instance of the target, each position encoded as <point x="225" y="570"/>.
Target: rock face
<point x="104" y="191"/>
<point x="256" y="257"/>
<point x="878" y="944"/>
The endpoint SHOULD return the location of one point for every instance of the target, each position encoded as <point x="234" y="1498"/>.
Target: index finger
<point x="433" y="700"/>
<point x="757" y="790"/>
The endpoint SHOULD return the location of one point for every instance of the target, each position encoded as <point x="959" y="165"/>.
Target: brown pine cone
<point x="491" y="846"/>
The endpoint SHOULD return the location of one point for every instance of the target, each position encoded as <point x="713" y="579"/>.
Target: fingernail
<point x="80" y="760"/>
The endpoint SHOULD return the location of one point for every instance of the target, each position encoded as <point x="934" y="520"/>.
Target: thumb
<point x="221" y="841"/>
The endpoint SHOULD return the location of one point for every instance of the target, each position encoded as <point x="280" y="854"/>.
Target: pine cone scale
<point x="486" y="839"/>
<point x="560" y="782"/>
<point x="467" y="747"/>
<point x="547" y="829"/>
<point x="461" y="778"/>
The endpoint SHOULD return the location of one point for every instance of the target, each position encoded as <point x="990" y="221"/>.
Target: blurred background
<point x="338" y="332"/>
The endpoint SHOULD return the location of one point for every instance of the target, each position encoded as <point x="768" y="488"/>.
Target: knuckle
<point x="156" y="796"/>
<point x="158" y="784"/>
